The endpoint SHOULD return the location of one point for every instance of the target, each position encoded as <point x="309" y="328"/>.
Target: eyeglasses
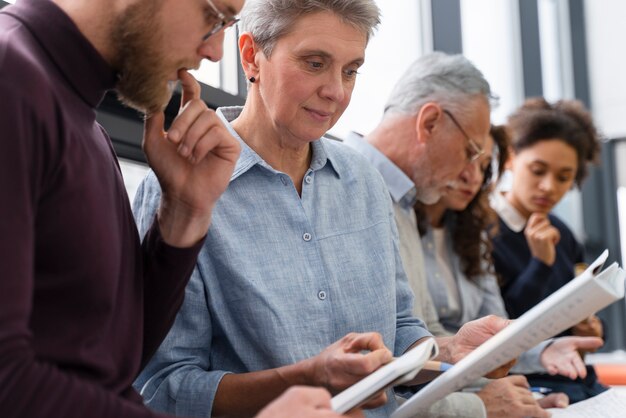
<point x="474" y="151"/>
<point x="223" y="21"/>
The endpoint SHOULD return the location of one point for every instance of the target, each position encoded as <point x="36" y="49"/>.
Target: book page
<point x="609" y="404"/>
<point x="581" y="297"/>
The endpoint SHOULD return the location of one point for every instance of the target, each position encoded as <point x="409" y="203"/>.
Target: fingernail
<point x="174" y="135"/>
<point x="183" y="150"/>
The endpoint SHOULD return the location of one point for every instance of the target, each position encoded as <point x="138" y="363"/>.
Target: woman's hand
<point x="349" y="360"/>
<point x="542" y="238"/>
<point x="562" y="356"/>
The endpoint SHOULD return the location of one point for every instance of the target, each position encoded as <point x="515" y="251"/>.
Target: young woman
<point x="535" y="252"/>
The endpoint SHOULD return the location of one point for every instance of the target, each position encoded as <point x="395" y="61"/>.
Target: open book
<point x="584" y="295"/>
<point x="400" y="370"/>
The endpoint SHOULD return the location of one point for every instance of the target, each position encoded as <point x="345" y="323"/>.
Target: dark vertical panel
<point x="531" y="48"/>
<point x="447" y="35"/>
<point x="579" y="51"/>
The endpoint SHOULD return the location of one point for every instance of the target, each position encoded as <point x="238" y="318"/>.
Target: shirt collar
<point x="249" y="158"/>
<point x="401" y="187"/>
<point x="509" y="215"/>
<point x="74" y="56"/>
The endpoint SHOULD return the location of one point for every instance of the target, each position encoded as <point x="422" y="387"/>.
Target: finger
<point x="580" y="370"/>
<point x="496" y="323"/>
<point x="190" y="88"/>
<point x="567" y="369"/>
<point x="358" y="364"/>
<point x="208" y="143"/>
<point x="207" y="127"/>
<point x="365" y="341"/>
<point x="554" y="400"/>
<point x="525" y="396"/>
<point x="552" y="369"/>
<point x="185" y="120"/>
<point x="586" y="343"/>
<point x="554" y="234"/>
<point x="547" y="235"/>
<point x="518" y="380"/>
<point x="541" y="225"/>
<point x="534" y="219"/>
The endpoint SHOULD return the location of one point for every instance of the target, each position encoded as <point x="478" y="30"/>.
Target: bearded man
<point x="83" y="303"/>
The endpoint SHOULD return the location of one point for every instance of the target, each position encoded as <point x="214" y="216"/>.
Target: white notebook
<point x="400" y="370"/>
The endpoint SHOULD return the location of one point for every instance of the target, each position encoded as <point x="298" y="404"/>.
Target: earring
<point x="252" y="79"/>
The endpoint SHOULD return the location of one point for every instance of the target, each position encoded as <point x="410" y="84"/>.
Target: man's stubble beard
<point x="141" y="61"/>
<point x="428" y="189"/>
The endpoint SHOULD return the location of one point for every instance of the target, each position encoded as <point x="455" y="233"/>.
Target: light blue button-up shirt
<point x="282" y="276"/>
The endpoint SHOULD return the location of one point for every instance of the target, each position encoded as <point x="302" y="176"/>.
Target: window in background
<point x="556" y="49"/>
<point x="606" y="31"/>
<point x="492" y="41"/>
<point x="223" y="74"/>
<point x="557" y="74"/>
<point x="404" y="34"/>
<point x="620" y="175"/>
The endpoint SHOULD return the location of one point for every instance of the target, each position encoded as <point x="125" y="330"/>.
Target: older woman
<point x="303" y="247"/>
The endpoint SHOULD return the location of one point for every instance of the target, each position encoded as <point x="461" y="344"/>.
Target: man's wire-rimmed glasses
<point x="222" y="22"/>
<point x="474" y="151"/>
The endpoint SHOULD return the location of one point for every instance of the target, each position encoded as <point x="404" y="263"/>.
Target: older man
<point x="435" y="124"/>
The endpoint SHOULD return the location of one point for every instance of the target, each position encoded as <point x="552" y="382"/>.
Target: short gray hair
<point x="268" y="20"/>
<point x="447" y="79"/>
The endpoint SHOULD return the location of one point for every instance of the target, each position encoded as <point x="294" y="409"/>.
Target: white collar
<point x="509" y="215"/>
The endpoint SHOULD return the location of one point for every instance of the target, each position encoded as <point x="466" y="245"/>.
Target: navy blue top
<point x="526" y="280"/>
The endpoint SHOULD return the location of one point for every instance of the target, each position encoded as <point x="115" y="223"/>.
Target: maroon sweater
<point x="83" y="304"/>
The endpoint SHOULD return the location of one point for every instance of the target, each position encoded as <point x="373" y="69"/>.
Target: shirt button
<point x="306" y="237"/>
<point x="321" y="295"/>
<point x="308" y="179"/>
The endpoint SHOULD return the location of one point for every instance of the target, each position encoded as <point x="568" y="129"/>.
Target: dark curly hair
<point x="566" y="120"/>
<point x="470" y="242"/>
